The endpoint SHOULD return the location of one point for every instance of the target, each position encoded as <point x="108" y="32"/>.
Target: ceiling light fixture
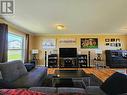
<point x="60" y="27"/>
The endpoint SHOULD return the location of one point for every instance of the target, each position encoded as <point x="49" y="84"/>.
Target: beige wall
<point x="36" y="42"/>
<point x="101" y="43"/>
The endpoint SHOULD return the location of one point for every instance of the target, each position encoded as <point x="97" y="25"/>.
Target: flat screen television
<point x="68" y="52"/>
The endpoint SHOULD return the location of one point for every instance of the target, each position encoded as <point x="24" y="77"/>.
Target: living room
<point x="64" y="47"/>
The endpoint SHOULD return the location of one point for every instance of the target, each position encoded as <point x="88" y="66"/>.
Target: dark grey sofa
<point x="15" y="73"/>
<point x="96" y="90"/>
<point x="116" y="84"/>
<point x="58" y="90"/>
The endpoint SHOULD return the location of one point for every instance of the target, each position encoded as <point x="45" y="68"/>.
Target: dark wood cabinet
<point x="82" y="60"/>
<point x="52" y="61"/>
<point x="116" y="58"/>
<point x="68" y="62"/>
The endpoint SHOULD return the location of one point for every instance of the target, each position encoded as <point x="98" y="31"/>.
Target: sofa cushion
<point x="94" y="90"/>
<point x="76" y="93"/>
<point x="12" y="70"/>
<point x="70" y="90"/>
<point x="115" y="84"/>
<point x="44" y="89"/>
<point x="33" y="78"/>
<point x="60" y="91"/>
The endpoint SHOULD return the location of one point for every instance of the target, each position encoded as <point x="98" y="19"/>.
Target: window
<point x="15" y="47"/>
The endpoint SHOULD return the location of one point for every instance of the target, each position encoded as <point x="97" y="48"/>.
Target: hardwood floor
<point x="102" y="73"/>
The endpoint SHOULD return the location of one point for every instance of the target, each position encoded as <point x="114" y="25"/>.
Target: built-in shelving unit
<point x="52" y="60"/>
<point x="68" y="62"/>
<point x="82" y="60"/>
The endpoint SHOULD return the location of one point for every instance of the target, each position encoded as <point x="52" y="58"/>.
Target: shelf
<point x="82" y="60"/>
<point x="52" y="60"/>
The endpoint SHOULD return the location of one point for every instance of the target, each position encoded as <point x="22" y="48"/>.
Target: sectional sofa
<point x="14" y="75"/>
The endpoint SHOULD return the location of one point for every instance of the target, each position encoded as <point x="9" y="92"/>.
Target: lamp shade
<point x="34" y="51"/>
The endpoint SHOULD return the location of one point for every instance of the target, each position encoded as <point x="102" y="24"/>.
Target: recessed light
<point x="60" y="27"/>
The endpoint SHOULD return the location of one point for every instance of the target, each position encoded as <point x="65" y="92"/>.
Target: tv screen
<point x="68" y="52"/>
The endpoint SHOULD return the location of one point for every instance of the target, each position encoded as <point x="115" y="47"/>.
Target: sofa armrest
<point x="34" y="78"/>
<point x="44" y="89"/>
<point x="94" y="90"/>
<point x="71" y="90"/>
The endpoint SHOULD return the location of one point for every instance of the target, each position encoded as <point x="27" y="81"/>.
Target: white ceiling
<point x="78" y="16"/>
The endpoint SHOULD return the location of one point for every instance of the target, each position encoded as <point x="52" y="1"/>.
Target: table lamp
<point x="34" y="53"/>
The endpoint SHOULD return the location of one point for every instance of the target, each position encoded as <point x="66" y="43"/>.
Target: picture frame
<point x="117" y="40"/>
<point x="49" y="43"/>
<point x="113" y="44"/>
<point x="107" y="44"/>
<point x="119" y="44"/>
<point x="107" y="40"/>
<point x="113" y="40"/>
<point x="89" y="43"/>
<point x="67" y="41"/>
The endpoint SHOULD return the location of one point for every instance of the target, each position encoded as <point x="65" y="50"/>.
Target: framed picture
<point x="49" y="43"/>
<point x="107" y="40"/>
<point x="119" y="44"/>
<point x="117" y="40"/>
<point x="112" y="40"/>
<point x="107" y="44"/>
<point x="89" y="43"/>
<point x="67" y="41"/>
<point x="113" y="44"/>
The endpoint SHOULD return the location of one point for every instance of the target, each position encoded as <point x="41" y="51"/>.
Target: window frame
<point x="23" y="45"/>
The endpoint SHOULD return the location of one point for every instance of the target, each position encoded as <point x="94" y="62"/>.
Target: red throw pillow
<point x="20" y="92"/>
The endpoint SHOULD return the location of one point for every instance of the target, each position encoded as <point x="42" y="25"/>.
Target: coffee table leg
<point x="87" y="79"/>
<point x="83" y="82"/>
<point x="53" y="84"/>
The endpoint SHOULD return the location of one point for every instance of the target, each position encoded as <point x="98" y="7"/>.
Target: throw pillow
<point x="20" y="92"/>
<point x="115" y="84"/>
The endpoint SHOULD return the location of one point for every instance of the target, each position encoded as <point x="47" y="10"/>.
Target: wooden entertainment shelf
<point x="67" y="62"/>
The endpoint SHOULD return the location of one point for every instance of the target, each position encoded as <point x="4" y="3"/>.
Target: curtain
<point x="27" y="49"/>
<point x="3" y="42"/>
